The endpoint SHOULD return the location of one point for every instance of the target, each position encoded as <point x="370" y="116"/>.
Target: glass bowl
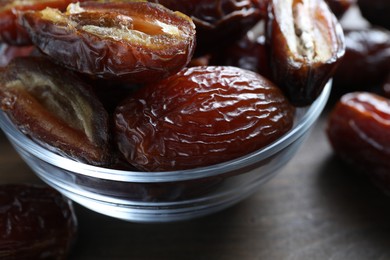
<point x="165" y="196"/>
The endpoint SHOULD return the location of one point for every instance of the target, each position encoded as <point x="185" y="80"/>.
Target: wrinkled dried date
<point x="127" y="41"/>
<point x="36" y="222"/>
<point x="56" y="108"/>
<point x="219" y="22"/>
<point x="10" y="31"/>
<point x="359" y="132"/>
<point x="366" y="62"/>
<point x="200" y="116"/>
<point x="306" y="44"/>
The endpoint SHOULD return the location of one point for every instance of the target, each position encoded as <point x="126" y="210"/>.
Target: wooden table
<point x="316" y="208"/>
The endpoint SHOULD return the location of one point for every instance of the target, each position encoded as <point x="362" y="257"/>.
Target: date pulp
<point x="36" y="222"/>
<point x="124" y="41"/>
<point x="306" y="44"/>
<point x="10" y="31"/>
<point x="55" y="107"/>
<point x="200" y="116"/>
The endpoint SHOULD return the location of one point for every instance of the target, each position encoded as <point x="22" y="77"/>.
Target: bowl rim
<point x="307" y="116"/>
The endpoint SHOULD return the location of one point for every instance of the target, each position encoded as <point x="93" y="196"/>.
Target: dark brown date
<point x="306" y="44"/>
<point x="131" y="41"/>
<point x="36" y="222"/>
<point x="376" y="11"/>
<point x="249" y="52"/>
<point x="10" y="31"/>
<point x="200" y="116"/>
<point x="56" y="108"/>
<point x="366" y="62"/>
<point x="219" y="23"/>
<point x="359" y="132"/>
<point x="9" y="52"/>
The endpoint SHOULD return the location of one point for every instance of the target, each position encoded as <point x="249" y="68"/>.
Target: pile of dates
<point x="358" y="127"/>
<point x="155" y="85"/>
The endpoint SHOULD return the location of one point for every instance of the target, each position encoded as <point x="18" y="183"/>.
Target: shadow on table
<point x="359" y="209"/>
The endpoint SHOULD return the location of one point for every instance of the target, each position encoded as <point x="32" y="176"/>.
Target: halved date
<point x="359" y="131"/>
<point x="36" y="222"/>
<point x="10" y="31"/>
<point x="56" y="108"/>
<point x="200" y="116"/>
<point x="306" y="44"/>
<point x="131" y="41"/>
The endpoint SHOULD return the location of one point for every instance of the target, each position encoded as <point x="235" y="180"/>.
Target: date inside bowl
<point x="169" y="195"/>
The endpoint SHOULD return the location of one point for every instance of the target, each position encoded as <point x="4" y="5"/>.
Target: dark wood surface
<point x="316" y="208"/>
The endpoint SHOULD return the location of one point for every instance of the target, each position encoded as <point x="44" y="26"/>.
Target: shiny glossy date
<point x="359" y="132"/>
<point x="56" y="108"/>
<point x="124" y="41"/>
<point x="200" y="116"/>
<point x="306" y="44"/>
<point x="366" y="62"/>
<point x="219" y="22"/>
<point x="36" y="222"/>
<point x="10" y="31"/>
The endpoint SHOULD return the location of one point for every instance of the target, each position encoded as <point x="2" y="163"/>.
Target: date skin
<point x="200" y="116"/>
<point x="55" y="108"/>
<point x="220" y="22"/>
<point x="9" y="52"/>
<point x="366" y="62"/>
<point x="306" y="44"/>
<point x="130" y="41"/>
<point x="359" y="131"/>
<point x="36" y="222"/>
<point x="10" y="31"/>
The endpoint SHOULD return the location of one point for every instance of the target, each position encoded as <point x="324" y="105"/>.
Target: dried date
<point x="200" y="116"/>
<point x="366" y="62"/>
<point x="306" y="44"/>
<point x="131" y="41"/>
<point x="221" y="22"/>
<point x="359" y="131"/>
<point x="36" y="222"/>
<point x="10" y="31"/>
<point x="9" y="52"/>
<point x="56" y="108"/>
<point x="249" y="52"/>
